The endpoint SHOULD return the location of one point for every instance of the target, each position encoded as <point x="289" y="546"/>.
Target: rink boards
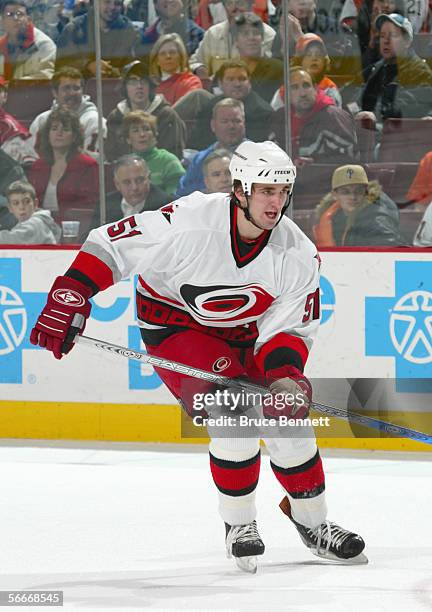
<point x="374" y="349"/>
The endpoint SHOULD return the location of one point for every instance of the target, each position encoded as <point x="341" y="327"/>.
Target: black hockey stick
<point x="166" y="364"/>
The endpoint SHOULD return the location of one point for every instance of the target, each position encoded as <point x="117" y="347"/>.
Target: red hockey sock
<point x="302" y="481"/>
<point x="235" y="478"/>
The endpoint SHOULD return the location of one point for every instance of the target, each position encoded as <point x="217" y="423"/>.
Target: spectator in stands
<point x="63" y="176"/>
<point x="169" y="67"/>
<point x="233" y="79"/>
<point x="140" y="132"/>
<point x="171" y="20"/>
<point x="135" y="191"/>
<point x="76" y="44"/>
<point x="228" y="125"/>
<point x="216" y="172"/>
<point x="356" y="213"/>
<point x="217" y="46"/>
<point x="320" y="131"/>
<point x="139" y="94"/>
<point x="311" y="54"/>
<point x="294" y="33"/>
<point x="266" y="73"/>
<point x="367" y="32"/>
<point x="137" y="10"/>
<point x="27" y="52"/>
<point x="67" y="88"/>
<point x="314" y="21"/>
<point x="423" y="235"/>
<point x="14" y="137"/>
<point x="400" y="83"/>
<point x="34" y="225"/>
<point x="420" y="191"/>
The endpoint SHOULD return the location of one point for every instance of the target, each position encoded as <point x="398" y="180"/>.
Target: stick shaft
<point x="166" y="364"/>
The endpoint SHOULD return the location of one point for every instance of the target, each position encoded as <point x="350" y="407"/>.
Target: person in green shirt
<point x="140" y="132"/>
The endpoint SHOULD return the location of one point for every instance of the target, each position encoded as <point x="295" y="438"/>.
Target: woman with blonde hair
<point x="169" y="67"/>
<point x="139" y="130"/>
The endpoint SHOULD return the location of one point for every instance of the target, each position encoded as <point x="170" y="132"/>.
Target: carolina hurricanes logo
<point x="167" y="211"/>
<point x="68" y="297"/>
<point x="222" y="304"/>
<point x="221" y="364"/>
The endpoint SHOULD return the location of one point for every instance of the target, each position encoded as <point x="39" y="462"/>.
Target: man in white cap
<point x="400" y="83"/>
<point x="226" y="284"/>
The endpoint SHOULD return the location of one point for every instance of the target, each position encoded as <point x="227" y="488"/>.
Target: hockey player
<point x="227" y="284"/>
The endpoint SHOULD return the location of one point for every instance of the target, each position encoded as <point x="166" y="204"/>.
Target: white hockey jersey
<point x="195" y="272"/>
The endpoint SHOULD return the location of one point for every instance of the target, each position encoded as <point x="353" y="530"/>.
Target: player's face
<point x="69" y="93"/>
<point x="392" y="41"/>
<point x="314" y="59"/>
<point x="141" y="137"/>
<point x="350" y="197"/>
<point x="303" y="92"/>
<point x="235" y="83"/>
<point x="218" y="177"/>
<point x="137" y="90"/>
<point x="60" y="136"/>
<point x="168" y="58"/>
<point x="21" y="205"/>
<point x="15" y="20"/>
<point x="266" y="203"/>
<point x="249" y="41"/>
<point x="228" y="126"/>
<point x="133" y="182"/>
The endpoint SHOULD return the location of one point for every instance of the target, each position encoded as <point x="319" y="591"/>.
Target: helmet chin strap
<point x="249" y="216"/>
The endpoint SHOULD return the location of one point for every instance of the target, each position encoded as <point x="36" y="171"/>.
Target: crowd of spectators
<point x="185" y="81"/>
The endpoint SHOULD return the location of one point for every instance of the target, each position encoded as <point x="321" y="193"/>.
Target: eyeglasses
<point x="15" y="14"/>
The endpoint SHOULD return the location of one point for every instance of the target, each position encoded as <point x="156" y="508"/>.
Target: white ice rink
<point x="121" y="528"/>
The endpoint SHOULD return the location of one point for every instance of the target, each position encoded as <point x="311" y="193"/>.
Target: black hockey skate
<point x="329" y="541"/>
<point x="243" y="542"/>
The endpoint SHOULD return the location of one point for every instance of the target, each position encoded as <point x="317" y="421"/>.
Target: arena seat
<point x="409" y="222"/>
<point x="111" y="93"/>
<point x="28" y="98"/>
<point x="405" y="140"/>
<point x="395" y="178"/>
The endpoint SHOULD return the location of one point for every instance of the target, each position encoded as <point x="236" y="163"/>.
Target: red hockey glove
<point x="64" y="316"/>
<point x="292" y="393"/>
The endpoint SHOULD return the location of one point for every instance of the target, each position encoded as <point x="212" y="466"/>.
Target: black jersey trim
<point x="243" y="252"/>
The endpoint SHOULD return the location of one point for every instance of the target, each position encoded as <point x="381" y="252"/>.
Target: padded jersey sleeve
<point x="287" y="329"/>
<point x="117" y="250"/>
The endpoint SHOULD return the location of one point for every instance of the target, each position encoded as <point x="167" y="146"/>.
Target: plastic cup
<point x="70" y="231"/>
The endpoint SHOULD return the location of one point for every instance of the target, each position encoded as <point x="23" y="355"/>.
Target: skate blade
<point x="247" y="564"/>
<point x="360" y="559"/>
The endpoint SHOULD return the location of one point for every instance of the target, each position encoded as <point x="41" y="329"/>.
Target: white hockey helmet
<point x="261" y="162"/>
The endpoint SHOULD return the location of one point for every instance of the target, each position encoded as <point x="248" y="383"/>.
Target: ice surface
<point x="133" y="529"/>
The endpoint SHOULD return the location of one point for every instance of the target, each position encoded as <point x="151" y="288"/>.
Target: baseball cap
<point x="136" y="68"/>
<point x="304" y="41"/>
<point x="399" y="20"/>
<point x="349" y="175"/>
